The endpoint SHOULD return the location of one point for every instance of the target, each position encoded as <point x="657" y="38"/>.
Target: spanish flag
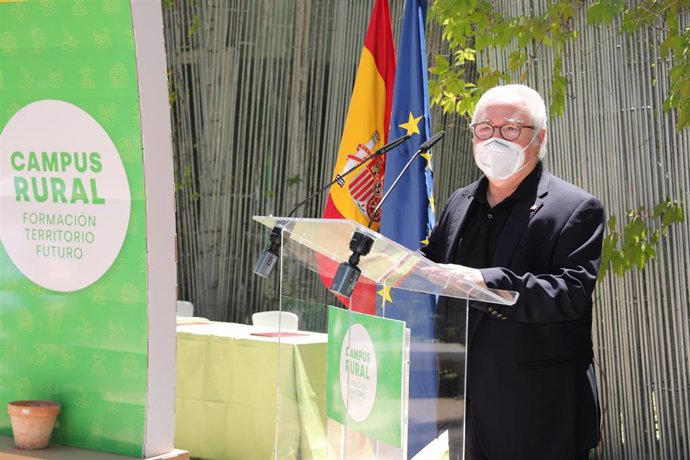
<point x="366" y="128"/>
<point x="366" y="125"/>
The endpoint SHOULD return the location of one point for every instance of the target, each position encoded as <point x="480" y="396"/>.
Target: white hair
<point x="532" y="101"/>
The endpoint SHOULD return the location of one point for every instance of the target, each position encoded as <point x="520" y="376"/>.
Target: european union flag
<point x="407" y="217"/>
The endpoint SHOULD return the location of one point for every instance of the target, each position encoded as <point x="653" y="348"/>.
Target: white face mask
<point x="498" y="158"/>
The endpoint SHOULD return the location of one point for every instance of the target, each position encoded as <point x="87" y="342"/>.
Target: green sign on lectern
<point x="365" y="376"/>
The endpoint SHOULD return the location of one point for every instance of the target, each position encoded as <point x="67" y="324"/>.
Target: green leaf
<point x="617" y="264"/>
<point x="612" y="223"/>
<point x="674" y="214"/>
<point x="660" y="209"/>
<point x="680" y="214"/>
<point x="516" y="59"/>
<point x="632" y="232"/>
<point x="539" y="31"/>
<point x="481" y="42"/>
<point x="614" y="240"/>
<point x="673" y="43"/>
<point x="638" y="227"/>
<point x="656" y="236"/>
<point x="503" y="35"/>
<point x="441" y="63"/>
<point x="603" y="270"/>
<point x="523" y="39"/>
<point x="683" y="119"/>
<point x="194" y="25"/>
<point x="641" y="256"/>
<point x="604" y="11"/>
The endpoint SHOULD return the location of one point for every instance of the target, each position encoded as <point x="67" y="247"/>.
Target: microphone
<point x="426" y="146"/>
<point x="393" y="144"/>
<point x="267" y="260"/>
<point x="348" y="272"/>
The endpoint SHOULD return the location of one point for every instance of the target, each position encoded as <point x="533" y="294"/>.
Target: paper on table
<point x="181" y="320"/>
<point x="278" y="334"/>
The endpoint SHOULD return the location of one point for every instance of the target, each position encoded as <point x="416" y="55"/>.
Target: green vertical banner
<point x="365" y="375"/>
<point x="75" y="265"/>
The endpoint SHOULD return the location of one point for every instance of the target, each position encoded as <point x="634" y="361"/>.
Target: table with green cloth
<point x="246" y="396"/>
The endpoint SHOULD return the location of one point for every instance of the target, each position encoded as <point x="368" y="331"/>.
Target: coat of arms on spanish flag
<point x="366" y="128"/>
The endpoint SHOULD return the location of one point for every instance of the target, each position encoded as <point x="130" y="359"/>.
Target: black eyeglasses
<point x="509" y="131"/>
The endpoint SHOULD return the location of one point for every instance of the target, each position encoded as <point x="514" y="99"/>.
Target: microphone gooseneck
<point x="423" y="148"/>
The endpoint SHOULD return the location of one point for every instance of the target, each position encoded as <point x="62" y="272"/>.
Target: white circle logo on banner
<point x="358" y="372"/>
<point x="64" y="196"/>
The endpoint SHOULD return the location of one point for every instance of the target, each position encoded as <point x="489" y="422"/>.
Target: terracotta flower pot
<point x="32" y="422"/>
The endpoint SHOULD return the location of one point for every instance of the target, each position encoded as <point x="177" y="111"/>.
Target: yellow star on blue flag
<point x="427" y="157"/>
<point x="385" y="293"/>
<point x="412" y="124"/>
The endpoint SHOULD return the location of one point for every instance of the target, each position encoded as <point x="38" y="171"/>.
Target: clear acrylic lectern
<point x="380" y="375"/>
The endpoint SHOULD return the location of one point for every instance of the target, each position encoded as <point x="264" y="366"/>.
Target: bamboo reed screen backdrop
<point x="259" y="92"/>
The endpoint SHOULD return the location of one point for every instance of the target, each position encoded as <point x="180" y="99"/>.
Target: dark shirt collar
<point x="522" y="193"/>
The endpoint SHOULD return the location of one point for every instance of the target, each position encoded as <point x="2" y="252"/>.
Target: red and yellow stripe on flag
<point x="366" y="129"/>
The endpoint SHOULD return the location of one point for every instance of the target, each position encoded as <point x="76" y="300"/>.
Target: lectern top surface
<point x="387" y="263"/>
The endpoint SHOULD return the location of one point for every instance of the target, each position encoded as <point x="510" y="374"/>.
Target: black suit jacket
<point x="530" y="376"/>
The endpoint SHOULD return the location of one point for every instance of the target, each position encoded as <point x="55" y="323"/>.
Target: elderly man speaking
<point x="531" y="390"/>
